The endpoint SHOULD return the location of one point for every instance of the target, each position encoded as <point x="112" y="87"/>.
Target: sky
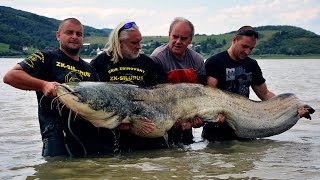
<point x="154" y="16"/>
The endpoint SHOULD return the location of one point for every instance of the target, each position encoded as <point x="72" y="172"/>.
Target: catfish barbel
<point x="107" y="105"/>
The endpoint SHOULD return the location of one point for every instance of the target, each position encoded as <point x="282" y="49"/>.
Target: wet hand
<point x="304" y="112"/>
<point x="49" y="89"/>
<point x="186" y="125"/>
<point x="220" y="119"/>
<point x="196" y="122"/>
<point x="183" y="124"/>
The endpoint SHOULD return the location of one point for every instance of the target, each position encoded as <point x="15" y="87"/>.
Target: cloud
<point x="260" y="13"/>
<point x="154" y="18"/>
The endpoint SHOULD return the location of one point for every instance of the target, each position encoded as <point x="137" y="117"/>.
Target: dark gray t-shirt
<point x="189" y="69"/>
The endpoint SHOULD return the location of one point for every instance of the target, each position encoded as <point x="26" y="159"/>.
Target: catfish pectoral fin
<point x="141" y="126"/>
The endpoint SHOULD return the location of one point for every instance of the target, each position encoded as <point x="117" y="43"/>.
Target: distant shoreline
<point x="273" y="56"/>
<point x="285" y="57"/>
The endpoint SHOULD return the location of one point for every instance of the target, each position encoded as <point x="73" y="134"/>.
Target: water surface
<point x="294" y="154"/>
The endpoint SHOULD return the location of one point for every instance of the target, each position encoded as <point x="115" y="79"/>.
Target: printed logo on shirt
<point x="130" y="75"/>
<point x="73" y="77"/>
<point x="37" y="56"/>
<point x="129" y="79"/>
<point x="125" y="69"/>
<point x="73" y="69"/>
<point x="239" y="80"/>
<point x="230" y="74"/>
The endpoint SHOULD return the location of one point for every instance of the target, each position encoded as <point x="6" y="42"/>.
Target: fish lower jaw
<point x="102" y="122"/>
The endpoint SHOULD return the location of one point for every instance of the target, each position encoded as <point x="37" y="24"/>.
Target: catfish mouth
<point x="79" y="101"/>
<point x="64" y="91"/>
<point x="61" y="90"/>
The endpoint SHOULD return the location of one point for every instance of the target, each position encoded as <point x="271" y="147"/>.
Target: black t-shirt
<point x="56" y="66"/>
<point x="141" y="71"/>
<point x="234" y="76"/>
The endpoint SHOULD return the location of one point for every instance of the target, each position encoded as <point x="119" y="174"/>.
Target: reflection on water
<point x="231" y="159"/>
<point x="294" y="154"/>
<point x="262" y="158"/>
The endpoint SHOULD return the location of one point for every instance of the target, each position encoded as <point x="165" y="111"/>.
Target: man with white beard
<point x="122" y="62"/>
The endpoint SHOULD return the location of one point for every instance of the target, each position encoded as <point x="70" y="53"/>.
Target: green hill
<point x="273" y="41"/>
<point x="20" y="29"/>
<point x="287" y="40"/>
<point x="23" y="32"/>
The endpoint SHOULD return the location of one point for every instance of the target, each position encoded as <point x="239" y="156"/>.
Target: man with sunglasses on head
<point x="232" y="70"/>
<point x="122" y="62"/>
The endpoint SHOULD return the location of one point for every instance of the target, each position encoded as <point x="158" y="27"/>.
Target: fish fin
<point x="126" y="120"/>
<point x="166" y="139"/>
<point x="141" y="126"/>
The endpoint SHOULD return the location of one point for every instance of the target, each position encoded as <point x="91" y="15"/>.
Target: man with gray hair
<point x="181" y="64"/>
<point x="122" y="60"/>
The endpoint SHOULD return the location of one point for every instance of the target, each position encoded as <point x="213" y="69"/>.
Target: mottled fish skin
<point x="107" y="105"/>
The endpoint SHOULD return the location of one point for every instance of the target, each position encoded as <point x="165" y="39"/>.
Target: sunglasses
<point x="126" y="26"/>
<point x="249" y="33"/>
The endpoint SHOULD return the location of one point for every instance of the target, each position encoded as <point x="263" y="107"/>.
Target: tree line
<point x="22" y="32"/>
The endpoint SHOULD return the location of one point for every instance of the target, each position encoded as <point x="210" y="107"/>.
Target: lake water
<point x="294" y="154"/>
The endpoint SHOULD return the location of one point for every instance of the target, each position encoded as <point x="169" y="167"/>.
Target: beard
<point x="129" y="54"/>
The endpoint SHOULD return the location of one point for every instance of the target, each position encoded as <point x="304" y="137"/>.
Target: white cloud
<point x="154" y="17"/>
<point x="260" y="13"/>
